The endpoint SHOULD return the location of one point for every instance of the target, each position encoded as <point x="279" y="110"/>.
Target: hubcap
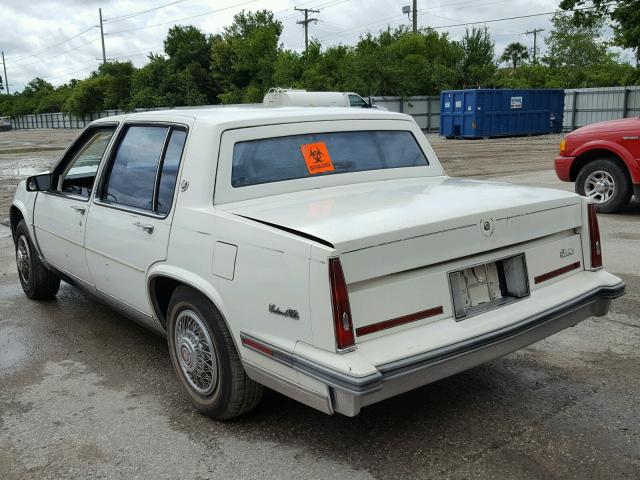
<point x="600" y="186"/>
<point x="195" y="353"/>
<point x="23" y="259"/>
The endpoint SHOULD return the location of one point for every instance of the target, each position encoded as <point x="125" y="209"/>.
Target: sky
<point x="59" y="39"/>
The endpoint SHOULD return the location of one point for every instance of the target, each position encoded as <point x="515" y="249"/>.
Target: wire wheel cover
<point x="23" y="259"/>
<point x="195" y="353"/>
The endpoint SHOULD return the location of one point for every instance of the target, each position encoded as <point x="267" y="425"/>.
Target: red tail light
<point x="594" y="238"/>
<point x="341" y="309"/>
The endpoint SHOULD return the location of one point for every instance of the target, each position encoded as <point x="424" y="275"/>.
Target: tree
<point x="624" y="14"/>
<point x="478" y="63"/>
<point x="576" y="45"/>
<point x="244" y="55"/>
<point x="515" y="53"/>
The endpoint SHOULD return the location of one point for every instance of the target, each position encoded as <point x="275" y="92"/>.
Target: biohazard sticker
<point x="317" y="158"/>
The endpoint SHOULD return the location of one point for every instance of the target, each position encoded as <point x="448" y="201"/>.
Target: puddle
<point x="13" y="350"/>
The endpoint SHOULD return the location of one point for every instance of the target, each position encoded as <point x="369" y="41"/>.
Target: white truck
<point x="320" y="252"/>
<point x="281" y="97"/>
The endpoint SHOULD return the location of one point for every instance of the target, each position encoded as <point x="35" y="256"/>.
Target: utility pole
<point x="415" y="16"/>
<point x="535" y="33"/>
<point x="6" y="80"/>
<point x="306" y="23"/>
<point x="104" y="55"/>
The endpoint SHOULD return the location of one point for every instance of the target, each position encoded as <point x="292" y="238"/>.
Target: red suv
<point x="604" y="161"/>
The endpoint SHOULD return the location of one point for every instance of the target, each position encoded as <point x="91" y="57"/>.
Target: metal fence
<point x="582" y="106"/>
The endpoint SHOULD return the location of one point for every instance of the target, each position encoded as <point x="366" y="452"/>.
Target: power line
<point x="33" y="54"/>
<point x="181" y="19"/>
<point x="20" y="65"/>
<point x="122" y="18"/>
<point x="510" y="18"/>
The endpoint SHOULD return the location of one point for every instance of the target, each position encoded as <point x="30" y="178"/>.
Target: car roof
<point x="258" y="114"/>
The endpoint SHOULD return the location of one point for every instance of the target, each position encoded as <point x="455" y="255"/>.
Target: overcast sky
<point x="34" y="34"/>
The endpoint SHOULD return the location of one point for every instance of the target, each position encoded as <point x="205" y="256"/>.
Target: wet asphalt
<point x="85" y="393"/>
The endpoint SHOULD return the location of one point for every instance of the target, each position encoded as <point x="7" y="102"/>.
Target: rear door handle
<point x="146" y="228"/>
<point x="80" y="210"/>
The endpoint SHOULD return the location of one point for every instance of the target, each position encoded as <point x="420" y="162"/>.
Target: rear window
<point x="301" y="156"/>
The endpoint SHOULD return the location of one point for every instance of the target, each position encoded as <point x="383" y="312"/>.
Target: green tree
<point x="576" y="46"/>
<point x="117" y="83"/>
<point x="244" y="55"/>
<point x="478" y="63"/>
<point x="624" y="14"/>
<point x="515" y="54"/>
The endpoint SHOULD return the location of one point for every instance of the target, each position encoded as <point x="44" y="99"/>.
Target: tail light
<point x="340" y="303"/>
<point x="594" y="238"/>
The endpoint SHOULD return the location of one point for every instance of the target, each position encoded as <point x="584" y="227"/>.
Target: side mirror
<point x="39" y="183"/>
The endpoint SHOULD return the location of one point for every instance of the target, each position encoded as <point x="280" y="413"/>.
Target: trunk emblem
<point x="487" y="226"/>
<point x="566" y="252"/>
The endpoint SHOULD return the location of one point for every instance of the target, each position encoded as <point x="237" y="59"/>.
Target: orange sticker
<point x="317" y="157"/>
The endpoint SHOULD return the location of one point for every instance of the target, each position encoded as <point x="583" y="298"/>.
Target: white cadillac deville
<point x="322" y="253"/>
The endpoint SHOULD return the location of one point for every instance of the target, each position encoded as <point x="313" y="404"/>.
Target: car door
<point x="130" y="219"/>
<point x="60" y="214"/>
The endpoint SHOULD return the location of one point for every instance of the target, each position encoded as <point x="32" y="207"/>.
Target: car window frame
<point x="70" y="154"/>
<point x="105" y="172"/>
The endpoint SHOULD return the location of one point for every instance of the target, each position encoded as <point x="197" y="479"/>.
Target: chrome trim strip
<point x="315" y="370"/>
<point x="288" y="388"/>
<point x="596" y="301"/>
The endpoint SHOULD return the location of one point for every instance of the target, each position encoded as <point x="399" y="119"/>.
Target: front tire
<point x="38" y="282"/>
<point x="606" y="183"/>
<point x="205" y="358"/>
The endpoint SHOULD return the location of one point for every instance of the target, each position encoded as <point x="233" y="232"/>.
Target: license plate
<point x="479" y="288"/>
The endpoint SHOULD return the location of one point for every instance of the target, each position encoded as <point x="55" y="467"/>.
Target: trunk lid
<point x="357" y="217"/>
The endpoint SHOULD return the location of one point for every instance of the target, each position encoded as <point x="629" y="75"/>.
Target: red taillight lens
<point x="340" y="302"/>
<point x="594" y="238"/>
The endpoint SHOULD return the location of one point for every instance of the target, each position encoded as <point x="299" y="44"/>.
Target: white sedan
<point x="322" y="253"/>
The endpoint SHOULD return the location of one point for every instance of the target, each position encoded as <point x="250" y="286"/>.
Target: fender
<point x="188" y="278"/>
<point x="25" y="202"/>
<point x="616" y="148"/>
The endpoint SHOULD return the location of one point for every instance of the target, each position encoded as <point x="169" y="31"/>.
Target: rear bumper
<point x="348" y="394"/>
<point x="563" y="168"/>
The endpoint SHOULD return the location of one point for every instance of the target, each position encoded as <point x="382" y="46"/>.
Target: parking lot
<point x="85" y="393"/>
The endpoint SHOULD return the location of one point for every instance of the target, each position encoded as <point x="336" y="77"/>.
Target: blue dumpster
<point x="484" y="113"/>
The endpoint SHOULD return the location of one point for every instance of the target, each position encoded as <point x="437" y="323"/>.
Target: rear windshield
<point x="301" y="156"/>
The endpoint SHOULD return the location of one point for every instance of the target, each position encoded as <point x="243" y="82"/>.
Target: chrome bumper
<point x="349" y="394"/>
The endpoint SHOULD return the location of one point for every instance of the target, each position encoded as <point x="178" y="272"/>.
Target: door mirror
<point x="39" y="183"/>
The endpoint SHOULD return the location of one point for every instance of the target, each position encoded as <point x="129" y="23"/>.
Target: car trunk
<point x="400" y="241"/>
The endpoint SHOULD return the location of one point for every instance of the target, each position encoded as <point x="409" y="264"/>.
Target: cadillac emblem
<point x="487" y="225"/>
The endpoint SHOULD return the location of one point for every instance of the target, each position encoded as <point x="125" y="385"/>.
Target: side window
<point x="356" y="101"/>
<point x="79" y="175"/>
<point x="133" y="172"/>
<point x="144" y="169"/>
<point x="169" y="172"/>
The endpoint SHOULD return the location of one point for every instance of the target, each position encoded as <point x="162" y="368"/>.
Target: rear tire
<point x="606" y="183"/>
<point x="205" y="358"/>
<point x="38" y="282"/>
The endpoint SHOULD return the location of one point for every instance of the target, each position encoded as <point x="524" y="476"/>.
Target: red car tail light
<point x="340" y="303"/>
<point x="594" y="238"/>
